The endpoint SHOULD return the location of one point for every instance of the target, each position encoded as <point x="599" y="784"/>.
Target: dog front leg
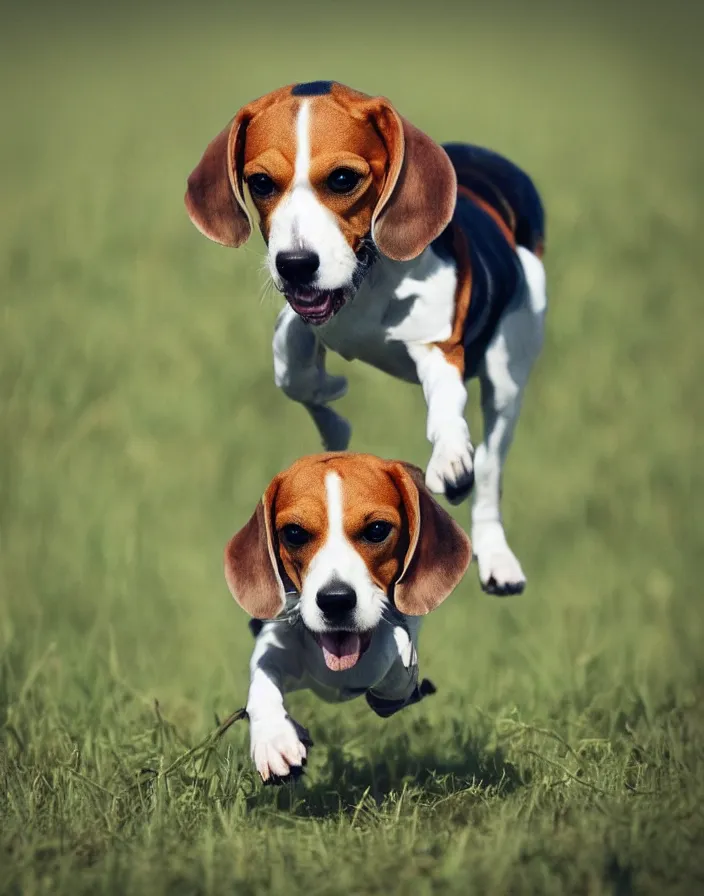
<point x="278" y="744"/>
<point x="400" y="686"/>
<point x="450" y="471"/>
<point x="299" y="371"/>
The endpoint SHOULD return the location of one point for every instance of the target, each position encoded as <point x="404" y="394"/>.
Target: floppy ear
<point x="214" y="197"/>
<point x="420" y="191"/>
<point x="251" y="563"/>
<point x="439" y="550"/>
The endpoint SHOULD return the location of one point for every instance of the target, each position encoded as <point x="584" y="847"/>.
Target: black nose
<point x="336" y="600"/>
<point x="297" y="268"/>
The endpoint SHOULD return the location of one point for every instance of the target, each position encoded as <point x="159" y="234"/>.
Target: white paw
<point x="279" y="746"/>
<point x="499" y="570"/>
<point x="451" y="468"/>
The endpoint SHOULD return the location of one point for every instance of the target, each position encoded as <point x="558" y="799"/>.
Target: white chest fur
<point x="400" y="304"/>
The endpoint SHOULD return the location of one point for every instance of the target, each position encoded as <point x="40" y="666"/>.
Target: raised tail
<point x="504" y="186"/>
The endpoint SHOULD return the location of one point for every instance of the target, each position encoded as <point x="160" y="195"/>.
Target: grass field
<point x="564" y="750"/>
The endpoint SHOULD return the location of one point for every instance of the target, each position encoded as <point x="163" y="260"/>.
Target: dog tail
<point x="504" y="186"/>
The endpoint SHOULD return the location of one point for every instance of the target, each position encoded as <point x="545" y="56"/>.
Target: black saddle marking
<point x="312" y="88"/>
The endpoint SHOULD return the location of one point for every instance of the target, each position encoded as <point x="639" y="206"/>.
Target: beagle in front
<point x="422" y="260"/>
<point x="343" y="555"/>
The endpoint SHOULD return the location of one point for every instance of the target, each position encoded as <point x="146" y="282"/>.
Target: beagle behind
<point x="422" y="260"/>
<point x="343" y="555"/>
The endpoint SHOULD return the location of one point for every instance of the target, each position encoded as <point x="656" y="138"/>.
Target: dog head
<point x="335" y="176"/>
<point x="352" y="533"/>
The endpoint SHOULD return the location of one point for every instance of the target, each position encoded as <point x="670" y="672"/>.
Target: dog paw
<point x="426" y="688"/>
<point x="451" y="468"/>
<point x="335" y="432"/>
<point x="500" y="572"/>
<point x="279" y="748"/>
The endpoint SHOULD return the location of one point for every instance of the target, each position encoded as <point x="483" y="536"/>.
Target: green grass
<point x="564" y="750"/>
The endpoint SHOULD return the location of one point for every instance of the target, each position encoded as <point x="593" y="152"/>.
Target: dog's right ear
<point x="251" y="562"/>
<point x="214" y="197"/>
<point x="420" y="192"/>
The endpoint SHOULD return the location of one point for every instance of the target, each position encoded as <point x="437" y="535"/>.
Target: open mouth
<point x="342" y="650"/>
<point x="316" y="306"/>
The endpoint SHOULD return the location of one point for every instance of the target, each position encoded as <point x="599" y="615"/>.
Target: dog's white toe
<point x="451" y="468"/>
<point x="276" y="748"/>
<point x="499" y="570"/>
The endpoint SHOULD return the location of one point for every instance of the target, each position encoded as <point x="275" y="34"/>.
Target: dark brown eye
<point x="377" y="532"/>
<point x="343" y="180"/>
<point x="294" y="536"/>
<point x="261" y="185"/>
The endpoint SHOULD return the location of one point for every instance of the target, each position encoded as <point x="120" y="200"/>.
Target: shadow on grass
<point x="345" y="781"/>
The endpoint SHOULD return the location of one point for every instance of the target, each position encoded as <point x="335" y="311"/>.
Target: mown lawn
<point x="564" y="750"/>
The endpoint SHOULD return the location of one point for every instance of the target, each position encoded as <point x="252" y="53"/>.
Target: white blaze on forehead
<point x="338" y="561"/>
<point x="337" y="554"/>
<point x="300" y="177"/>
<point x="302" y="221"/>
<point x="333" y="494"/>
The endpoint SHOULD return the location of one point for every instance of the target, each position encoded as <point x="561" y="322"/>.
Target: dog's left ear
<point x="420" y="191"/>
<point x="252" y="563"/>
<point x="439" y="550"/>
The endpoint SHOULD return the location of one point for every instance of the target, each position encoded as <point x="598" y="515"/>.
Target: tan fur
<point x="215" y="191"/>
<point x="406" y="197"/>
<point x="453" y="347"/>
<point x="419" y="564"/>
<point x="439" y="550"/>
<point x="251" y="562"/>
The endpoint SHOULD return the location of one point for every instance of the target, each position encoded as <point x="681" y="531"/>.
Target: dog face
<point x="351" y="533"/>
<point x="335" y="176"/>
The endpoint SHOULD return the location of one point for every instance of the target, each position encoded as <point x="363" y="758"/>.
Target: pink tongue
<point x="340" y="650"/>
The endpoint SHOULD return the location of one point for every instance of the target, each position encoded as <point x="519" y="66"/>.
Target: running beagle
<point x="343" y="555"/>
<point x="422" y="260"/>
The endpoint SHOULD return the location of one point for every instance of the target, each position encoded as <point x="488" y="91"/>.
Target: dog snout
<point x="298" y="268"/>
<point x="336" y="600"/>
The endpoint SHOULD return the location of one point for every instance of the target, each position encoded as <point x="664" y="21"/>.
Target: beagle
<point x="422" y="260"/>
<point x="342" y="556"/>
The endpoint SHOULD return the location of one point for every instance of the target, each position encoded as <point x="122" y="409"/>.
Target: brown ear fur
<point x="439" y="550"/>
<point x="251" y="563"/>
<point x="214" y="197"/>
<point x="420" y="191"/>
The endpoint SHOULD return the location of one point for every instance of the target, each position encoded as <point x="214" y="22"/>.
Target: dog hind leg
<point x="299" y="371"/>
<point x="503" y="376"/>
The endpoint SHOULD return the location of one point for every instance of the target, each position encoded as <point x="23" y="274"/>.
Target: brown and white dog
<point x="344" y="554"/>
<point x="422" y="260"/>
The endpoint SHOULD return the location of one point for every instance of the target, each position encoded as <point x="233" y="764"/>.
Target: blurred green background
<point x="140" y="424"/>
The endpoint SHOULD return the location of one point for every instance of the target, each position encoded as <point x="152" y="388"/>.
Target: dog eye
<point x="377" y="532"/>
<point x="261" y="185"/>
<point x="294" y="536"/>
<point x="343" y="180"/>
